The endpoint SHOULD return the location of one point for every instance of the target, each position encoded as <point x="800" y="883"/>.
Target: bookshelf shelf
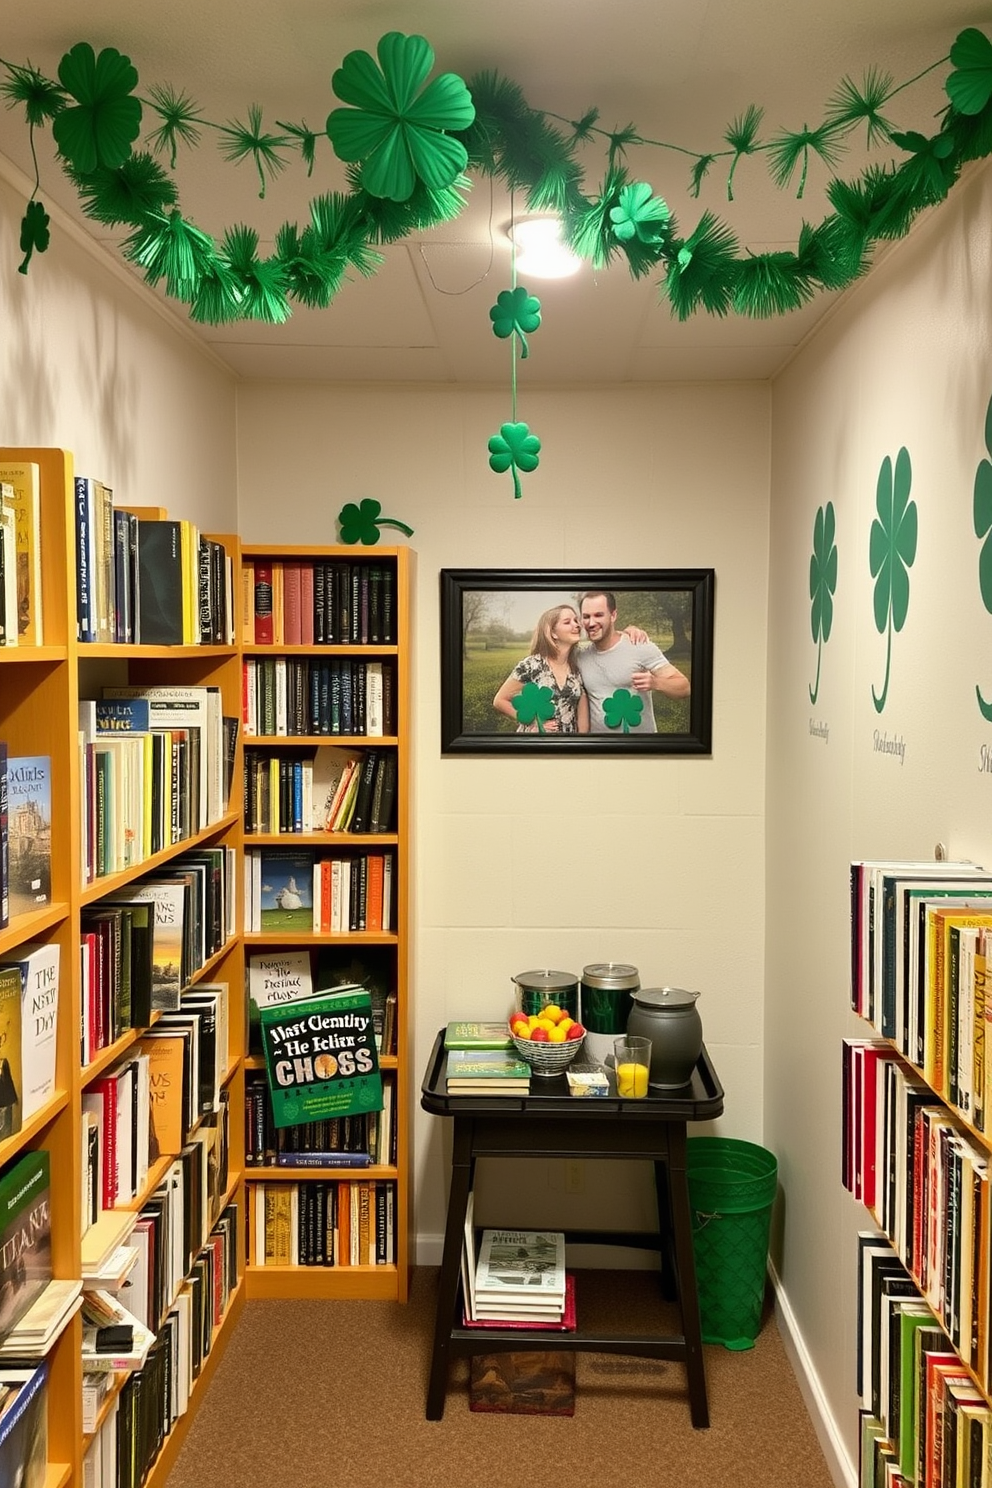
<point x="120" y="651"/>
<point x="310" y="741"/>
<point x="37" y="655"/>
<point x="101" y="887"/>
<point x="303" y="1283"/>
<point x="11" y="1146"/>
<point x="308" y="1175"/>
<point x="364" y="649"/>
<point x="57" y="1474"/>
<point x="32" y="925"/>
<point x="349" y="937"/>
<point x="321" y="839"/>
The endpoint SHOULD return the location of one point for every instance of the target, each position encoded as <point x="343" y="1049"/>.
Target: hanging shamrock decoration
<point x="34" y="233"/>
<point x="969" y="87"/>
<point x="514" y="448"/>
<point x="982" y="513"/>
<point x="361" y="523"/>
<point x="534" y="704"/>
<point x="891" y="554"/>
<point x="623" y="709"/>
<point x="514" y="314"/>
<point x="822" y="583"/>
<point x="400" y="137"/>
<point x="100" y="128"/>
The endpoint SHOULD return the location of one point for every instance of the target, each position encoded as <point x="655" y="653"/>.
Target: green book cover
<point x="478" y="1064"/>
<point x="320" y="1057"/>
<point x="477" y="1036"/>
<point x="25" y="1236"/>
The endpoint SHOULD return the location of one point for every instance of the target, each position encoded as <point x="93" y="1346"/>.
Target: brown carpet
<point x="317" y="1394"/>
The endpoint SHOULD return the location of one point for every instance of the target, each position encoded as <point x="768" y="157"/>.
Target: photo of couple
<point x="577" y="661"/>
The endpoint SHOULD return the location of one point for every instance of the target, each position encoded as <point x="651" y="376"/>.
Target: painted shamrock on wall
<point x="891" y="554"/>
<point x="822" y="584"/>
<point x="982" y="514"/>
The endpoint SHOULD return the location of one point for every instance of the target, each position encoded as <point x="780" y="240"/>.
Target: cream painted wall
<point x="89" y="363"/>
<point x="560" y="862"/>
<point x="906" y="360"/>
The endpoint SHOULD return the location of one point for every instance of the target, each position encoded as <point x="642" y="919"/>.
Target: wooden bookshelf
<point x="389" y="1281"/>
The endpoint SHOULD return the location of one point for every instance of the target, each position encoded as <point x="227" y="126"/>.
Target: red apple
<point x="539" y="1035"/>
<point x="575" y="1032"/>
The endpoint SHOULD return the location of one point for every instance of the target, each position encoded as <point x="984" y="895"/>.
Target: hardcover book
<point x="160" y="583"/>
<point x="168" y="965"/>
<point x="480" y="1035"/>
<point x="286" y="892"/>
<point x="24" y="481"/>
<point x="481" y="1064"/>
<point x="521" y="1263"/>
<point x="321" y="1060"/>
<point x="24" y="1427"/>
<point x="25" y="1236"/>
<point x="10" y="1051"/>
<point x="29" y="832"/>
<point x="38" y="968"/>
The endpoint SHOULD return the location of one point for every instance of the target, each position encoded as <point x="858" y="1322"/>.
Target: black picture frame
<point x="485" y="632"/>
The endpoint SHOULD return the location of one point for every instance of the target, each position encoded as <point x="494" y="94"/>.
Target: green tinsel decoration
<point x="338" y="225"/>
<point x="971" y="133"/>
<point x="742" y="137"/>
<point x="40" y="98"/>
<point x="218" y="299"/>
<point x="582" y="128"/>
<point x="789" y="148"/>
<point x="851" y="105"/>
<point x="931" y="170"/>
<point x="769" y="284"/>
<point x="830" y="254"/>
<point x="260" y="281"/>
<point x="170" y="248"/>
<point x="244" y="140"/>
<point x="620" y="142"/>
<point x="590" y="233"/>
<point x="388" y="221"/>
<point x="872" y="205"/>
<point x="135" y="190"/>
<point x="510" y="140"/>
<point x="699" y="170"/>
<point x="312" y="275"/>
<point x="179" y="115"/>
<point x="306" y="139"/>
<point x="702" y="270"/>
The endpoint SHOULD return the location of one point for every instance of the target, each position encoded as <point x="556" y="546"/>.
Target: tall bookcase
<point x="916" y="1122"/>
<point x="40" y="689"/>
<point x="351" y="650"/>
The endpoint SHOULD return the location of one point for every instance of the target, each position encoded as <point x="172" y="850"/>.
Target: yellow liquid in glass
<point x="632" y="1079"/>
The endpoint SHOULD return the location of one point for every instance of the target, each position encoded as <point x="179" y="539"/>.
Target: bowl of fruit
<point x="548" y="1040"/>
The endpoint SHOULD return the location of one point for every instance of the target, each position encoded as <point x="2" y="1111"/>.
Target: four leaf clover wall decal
<point x="891" y="554"/>
<point x="982" y="516"/>
<point x="822" y="584"/>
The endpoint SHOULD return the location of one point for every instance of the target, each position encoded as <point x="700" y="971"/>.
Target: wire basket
<point x="548" y="1059"/>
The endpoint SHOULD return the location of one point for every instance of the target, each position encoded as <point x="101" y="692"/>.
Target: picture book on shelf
<point x="23" y="478"/>
<point x="168" y="966"/>
<point x="29" y="832"/>
<point x="286" y="892"/>
<point x="521" y="1263"/>
<point x="10" y="1051"/>
<point x="274" y="979"/>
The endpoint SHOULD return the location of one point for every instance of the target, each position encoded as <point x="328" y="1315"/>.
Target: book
<point x="38" y="967"/>
<point x="161" y="603"/>
<point x="24" y="1426"/>
<point x="479" y="1035"/>
<point x="521" y="1263"/>
<point x="8" y="571"/>
<point x="4" y="858"/>
<point x="10" y="1051"/>
<point x="24" y="481"/>
<point x="482" y="1065"/>
<point x="286" y="891"/>
<point x="275" y="979"/>
<point x="25" y="1236"/>
<point x="333" y="767"/>
<point x="29" y="832"/>
<point x="170" y="1074"/>
<point x="169" y="967"/>
<point x="321" y="1059"/>
<point x="262" y="598"/>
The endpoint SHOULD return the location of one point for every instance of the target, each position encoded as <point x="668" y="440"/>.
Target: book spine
<point x="263" y="603"/>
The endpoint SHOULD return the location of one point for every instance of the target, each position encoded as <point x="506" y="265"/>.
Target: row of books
<point x="924" y="1421"/>
<point x="359" y="1140"/>
<point x="141" y="1415"/>
<point x="315" y="603"/>
<point x="276" y="979"/>
<point x="291" y="891"/>
<point x="21" y="616"/>
<point x="25" y="833"/>
<point x="289" y="696"/>
<point x="332" y="1222"/>
<point x="918" y="963"/>
<point x="335" y="790"/>
<point x="24" y="1425"/>
<point x="926" y="1180"/>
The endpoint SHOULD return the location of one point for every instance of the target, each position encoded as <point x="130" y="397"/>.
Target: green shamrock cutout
<point x="514" y="448"/>
<point x="891" y="554"/>
<point x="623" y="709"/>
<point x="969" y="87"/>
<point x="515" y="313"/>
<point x="399" y="137"/>
<point x="982" y="512"/>
<point x="100" y="129"/>
<point x="822" y="583"/>
<point x="534" y="704"/>
<point x="34" y="233"/>
<point x="361" y="523"/>
<point x="639" y="214"/>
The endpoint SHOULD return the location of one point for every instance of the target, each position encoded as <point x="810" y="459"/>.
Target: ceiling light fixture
<point x="541" y="253"/>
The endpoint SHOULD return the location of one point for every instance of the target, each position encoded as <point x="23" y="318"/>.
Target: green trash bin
<point x="731" y="1192"/>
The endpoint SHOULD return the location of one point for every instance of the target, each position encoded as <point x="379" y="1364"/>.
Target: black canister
<point x="536" y="989"/>
<point x="607" y="988"/>
<point x="669" y="1018"/>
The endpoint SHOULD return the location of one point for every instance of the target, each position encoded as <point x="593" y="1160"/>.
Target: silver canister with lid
<point x="536" y="989"/>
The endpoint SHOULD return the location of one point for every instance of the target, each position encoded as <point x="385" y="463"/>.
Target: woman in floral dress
<point x="550" y="663"/>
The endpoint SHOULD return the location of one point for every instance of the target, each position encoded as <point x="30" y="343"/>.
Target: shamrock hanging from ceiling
<point x="534" y="704"/>
<point x="106" y="118"/>
<point x="623" y="709"/>
<point x="35" y="233"/>
<point x="361" y="523"/>
<point x="514" y="448"/>
<point x="515" y="313"/>
<point x="398" y="136"/>
<point x="892" y="553"/>
<point x="822" y="583"/>
<point x="982" y="513"/>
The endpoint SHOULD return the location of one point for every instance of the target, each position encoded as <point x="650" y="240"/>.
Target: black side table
<point x="548" y="1122"/>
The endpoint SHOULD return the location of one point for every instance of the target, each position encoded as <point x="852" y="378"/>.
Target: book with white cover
<point x="521" y="1263"/>
<point x="38" y="964"/>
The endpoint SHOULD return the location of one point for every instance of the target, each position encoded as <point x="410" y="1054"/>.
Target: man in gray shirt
<point x="611" y="661"/>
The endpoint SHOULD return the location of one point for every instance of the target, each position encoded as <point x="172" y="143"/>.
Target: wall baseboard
<point x="842" y="1469"/>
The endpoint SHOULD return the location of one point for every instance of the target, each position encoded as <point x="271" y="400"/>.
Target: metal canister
<point x="536" y="989"/>
<point x="607" y="998"/>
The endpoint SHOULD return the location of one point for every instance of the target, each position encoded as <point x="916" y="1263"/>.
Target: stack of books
<point x="518" y="1280"/>
<point x="486" y="1072"/>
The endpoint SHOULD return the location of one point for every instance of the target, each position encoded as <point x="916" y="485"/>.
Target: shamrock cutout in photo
<point x="106" y="119"/>
<point x="398" y="136"/>
<point x="822" y="583"/>
<point x="35" y="233"/>
<point x="534" y="704"/>
<point x="514" y="448"/>
<point x="361" y="523"/>
<point x="623" y="709"/>
<point x="891" y="554"/>
<point x="982" y="512"/>
<point x="515" y="313"/>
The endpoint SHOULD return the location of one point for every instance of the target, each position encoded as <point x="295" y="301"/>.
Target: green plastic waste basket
<point x="731" y="1193"/>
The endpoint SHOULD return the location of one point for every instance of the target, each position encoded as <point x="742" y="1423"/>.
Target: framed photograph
<point x="576" y="661"/>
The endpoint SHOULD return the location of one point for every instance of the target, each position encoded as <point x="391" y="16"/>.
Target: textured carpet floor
<point x="316" y="1394"/>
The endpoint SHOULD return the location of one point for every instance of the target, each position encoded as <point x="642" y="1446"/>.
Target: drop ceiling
<point x="680" y="70"/>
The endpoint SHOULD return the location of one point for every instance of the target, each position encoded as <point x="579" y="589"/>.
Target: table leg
<point x="447" y="1286"/>
<point x="669" y="1287"/>
<point x="686" y="1266"/>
